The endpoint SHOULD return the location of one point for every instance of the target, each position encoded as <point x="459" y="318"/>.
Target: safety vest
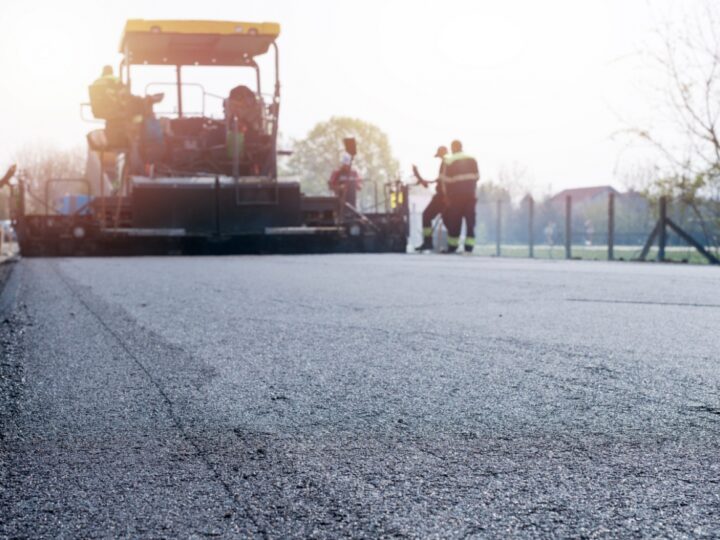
<point x="460" y="173"/>
<point x="105" y="97"/>
<point x="109" y="78"/>
<point x="109" y="83"/>
<point x="460" y="167"/>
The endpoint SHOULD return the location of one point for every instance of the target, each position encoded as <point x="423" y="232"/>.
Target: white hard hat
<point x="346" y="159"/>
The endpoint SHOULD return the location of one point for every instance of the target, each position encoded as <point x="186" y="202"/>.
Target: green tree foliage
<point x="318" y="154"/>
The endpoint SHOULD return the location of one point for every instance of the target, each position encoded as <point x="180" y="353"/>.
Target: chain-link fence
<point x="607" y="226"/>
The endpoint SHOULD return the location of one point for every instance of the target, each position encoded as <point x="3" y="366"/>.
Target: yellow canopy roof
<point x="174" y="42"/>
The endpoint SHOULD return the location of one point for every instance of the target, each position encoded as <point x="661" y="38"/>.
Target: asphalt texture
<point x="359" y="396"/>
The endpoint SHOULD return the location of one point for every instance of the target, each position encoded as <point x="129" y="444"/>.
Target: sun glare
<point x="490" y="41"/>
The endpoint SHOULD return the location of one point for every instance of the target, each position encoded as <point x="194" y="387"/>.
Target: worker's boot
<point x="469" y="244"/>
<point x="427" y="244"/>
<point x="452" y="245"/>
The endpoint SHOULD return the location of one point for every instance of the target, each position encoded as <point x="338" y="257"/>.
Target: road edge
<point x="9" y="284"/>
<point x="11" y="360"/>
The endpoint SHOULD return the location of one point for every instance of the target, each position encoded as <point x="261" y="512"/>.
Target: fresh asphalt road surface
<point x="360" y="395"/>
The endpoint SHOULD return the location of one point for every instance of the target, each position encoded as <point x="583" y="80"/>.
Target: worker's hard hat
<point x="346" y="159"/>
<point x="441" y="151"/>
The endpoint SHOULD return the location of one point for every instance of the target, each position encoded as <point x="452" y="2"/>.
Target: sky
<point x="539" y="87"/>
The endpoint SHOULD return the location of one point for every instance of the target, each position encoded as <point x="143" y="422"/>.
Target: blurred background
<point x="606" y="94"/>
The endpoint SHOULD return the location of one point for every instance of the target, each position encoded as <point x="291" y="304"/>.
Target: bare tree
<point x="688" y="56"/>
<point x="39" y="163"/>
<point x="515" y="179"/>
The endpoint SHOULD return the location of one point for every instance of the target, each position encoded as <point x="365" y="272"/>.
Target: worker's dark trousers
<point x="350" y="194"/>
<point x="461" y="208"/>
<point x="432" y="210"/>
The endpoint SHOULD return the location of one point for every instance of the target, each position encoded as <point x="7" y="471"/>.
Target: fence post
<point x="611" y="226"/>
<point x="21" y="199"/>
<point x="531" y="218"/>
<point x="662" y="238"/>
<point x="568" y="227"/>
<point x="375" y="194"/>
<point x="497" y="228"/>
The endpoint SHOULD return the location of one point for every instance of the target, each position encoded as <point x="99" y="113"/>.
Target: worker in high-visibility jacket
<point x="460" y="176"/>
<point x="110" y="99"/>
<point x="107" y="96"/>
<point x="437" y="204"/>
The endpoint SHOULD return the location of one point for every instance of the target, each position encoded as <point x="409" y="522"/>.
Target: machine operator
<point x="112" y="101"/>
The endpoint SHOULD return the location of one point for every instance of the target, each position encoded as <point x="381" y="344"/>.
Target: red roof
<point x="583" y="194"/>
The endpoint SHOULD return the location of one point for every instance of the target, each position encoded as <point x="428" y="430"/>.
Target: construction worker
<point x="437" y="204"/>
<point x="107" y="95"/>
<point x="460" y="176"/>
<point x="345" y="181"/>
<point x="124" y="113"/>
<point x="110" y="99"/>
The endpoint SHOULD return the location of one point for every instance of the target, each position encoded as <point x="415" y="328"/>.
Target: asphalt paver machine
<point x="195" y="182"/>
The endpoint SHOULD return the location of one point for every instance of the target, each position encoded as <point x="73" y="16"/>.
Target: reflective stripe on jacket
<point x="461" y="174"/>
<point x="107" y="86"/>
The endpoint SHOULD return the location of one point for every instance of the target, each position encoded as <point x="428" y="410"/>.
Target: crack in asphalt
<point x="706" y="408"/>
<point x="168" y="402"/>
<point x="464" y="430"/>
<point x="641" y="302"/>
